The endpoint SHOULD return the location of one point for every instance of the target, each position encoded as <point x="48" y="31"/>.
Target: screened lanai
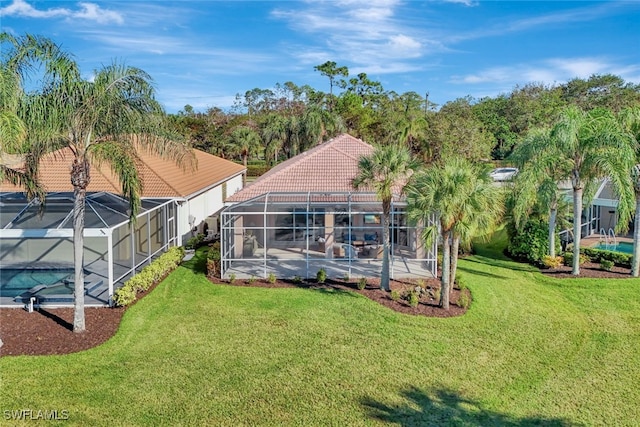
<point x="296" y="234"/>
<point x="36" y="238"/>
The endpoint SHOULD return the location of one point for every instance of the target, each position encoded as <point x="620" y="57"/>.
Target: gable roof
<point x="160" y="177"/>
<point x="328" y="167"/>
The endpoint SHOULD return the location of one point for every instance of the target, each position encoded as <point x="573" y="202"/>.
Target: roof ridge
<point x="282" y="167"/>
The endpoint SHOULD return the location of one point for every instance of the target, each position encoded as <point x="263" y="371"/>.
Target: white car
<point x="503" y="174"/>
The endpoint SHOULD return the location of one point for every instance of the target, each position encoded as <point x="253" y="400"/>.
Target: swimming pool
<point x="16" y="281"/>
<point x="624" y="247"/>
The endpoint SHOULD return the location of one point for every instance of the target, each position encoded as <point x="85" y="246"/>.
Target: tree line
<point x="272" y="125"/>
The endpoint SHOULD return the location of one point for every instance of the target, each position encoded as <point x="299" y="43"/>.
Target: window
<point x="371" y="219"/>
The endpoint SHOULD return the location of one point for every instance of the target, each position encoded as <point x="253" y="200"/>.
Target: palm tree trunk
<point x="446" y="269"/>
<point x="553" y="213"/>
<point x="386" y="220"/>
<point x="455" y="245"/>
<point x="244" y="174"/>
<point x="577" y="229"/>
<point x="635" y="263"/>
<point x="80" y="181"/>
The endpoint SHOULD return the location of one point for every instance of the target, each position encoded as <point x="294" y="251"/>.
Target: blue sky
<point x="203" y="53"/>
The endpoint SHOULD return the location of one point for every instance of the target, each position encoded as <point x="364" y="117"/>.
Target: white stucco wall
<point x="203" y="205"/>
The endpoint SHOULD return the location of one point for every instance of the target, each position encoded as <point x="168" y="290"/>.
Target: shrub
<point x="568" y="258"/>
<point x="346" y="277"/>
<point x="362" y="283"/>
<point x="460" y="282"/>
<point x="552" y="262"/>
<point x="321" y="276"/>
<point x="297" y="279"/>
<point x="606" y="264"/>
<point x="124" y="296"/>
<point x="395" y="295"/>
<point x="530" y="242"/>
<point x="232" y="278"/>
<point x="271" y="278"/>
<point x="413" y="299"/>
<point x="251" y="280"/>
<point x="213" y="261"/>
<point x="437" y="295"/>
<point x="257" y="169"/>
<point x="195" y="241"/>
<point x="463" y="300"/>
<point x="597" y="255"/>
<point x="148" y="276"/>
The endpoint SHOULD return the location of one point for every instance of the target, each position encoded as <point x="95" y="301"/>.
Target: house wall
<point x="608" y="218"/>
<point x="204" y="205"/>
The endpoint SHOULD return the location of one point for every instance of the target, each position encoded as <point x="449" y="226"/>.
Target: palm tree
<point x="274" y="135"/>
<point x="317" y="124"/>
<point x="464" y="201"/>
<point x="105" y="121"/>
<point x="412" y="131"/>
<point x="594" y="146"/>
<point x="540" y="169"/>
<point x="19" y="134"/>
<point x="245" y="141"/>
<point x="385" y="171"/>
<point x="481" y="212"/>
<point x="630" y="119"/>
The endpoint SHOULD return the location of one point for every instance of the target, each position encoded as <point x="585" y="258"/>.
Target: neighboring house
<point x="601" y="216"/>
<point x="199" y="193"/>
<point x="176" y="203"/>
<point x="304" y="215"/>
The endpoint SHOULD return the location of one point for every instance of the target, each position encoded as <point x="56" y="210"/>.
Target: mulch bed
<point x="50" y="331"/>
<point x="590" y="270"/>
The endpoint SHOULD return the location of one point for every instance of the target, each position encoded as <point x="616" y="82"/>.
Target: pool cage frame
<point x="293" y="235"/>
<point x="114" y="250"/>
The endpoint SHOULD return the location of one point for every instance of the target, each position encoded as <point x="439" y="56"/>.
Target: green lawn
<point x="530" y="351"/>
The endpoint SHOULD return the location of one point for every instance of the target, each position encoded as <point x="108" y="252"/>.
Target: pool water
<point x="15" y="281"/>
<point x="624" y="247"/>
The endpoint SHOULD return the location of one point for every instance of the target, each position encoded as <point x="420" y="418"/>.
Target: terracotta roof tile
<point x="329" y="167"/>
<point x="160" y="177"/>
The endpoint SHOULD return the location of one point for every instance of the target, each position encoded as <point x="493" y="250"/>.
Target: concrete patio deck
<point x="289" y="263"/>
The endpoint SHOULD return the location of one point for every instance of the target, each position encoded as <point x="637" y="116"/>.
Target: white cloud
<point x="86" y="11"/>
<point x="364" y="34"/>
<point x="404" y="45"/>
<point x="93" y="12"/>
<point x="464" y="2"/>
<point x="580" y="67"/>
<point x="22" y="8"/>
<point x="550" y="71"/>
<point x="559" y="19"/>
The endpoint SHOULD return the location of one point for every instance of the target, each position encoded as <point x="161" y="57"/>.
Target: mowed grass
<point x="530" y="351"/>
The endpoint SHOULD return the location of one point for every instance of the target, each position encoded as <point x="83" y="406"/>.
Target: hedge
<point x="598" y="255"/>
<point x="148" y="276"/>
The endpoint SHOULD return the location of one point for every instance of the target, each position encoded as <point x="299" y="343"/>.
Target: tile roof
<point x="328" y="167"/>
<point x="160" y="177"/>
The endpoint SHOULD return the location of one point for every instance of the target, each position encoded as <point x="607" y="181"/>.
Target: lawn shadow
<point x="508" y="264"/>
<point x="480" y="273"/>
<point x="443" y="407"/>
<point x="198" y="264"/>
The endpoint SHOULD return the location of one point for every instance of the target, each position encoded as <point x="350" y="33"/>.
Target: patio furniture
<point x="350" y="252"/>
